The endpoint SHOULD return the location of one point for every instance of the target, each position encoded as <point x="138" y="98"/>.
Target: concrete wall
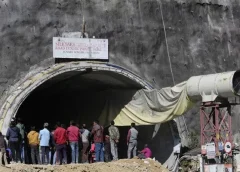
<point x="203" y="36"/>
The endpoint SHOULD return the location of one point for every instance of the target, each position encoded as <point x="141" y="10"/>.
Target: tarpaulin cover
<point x="155" y="106"/>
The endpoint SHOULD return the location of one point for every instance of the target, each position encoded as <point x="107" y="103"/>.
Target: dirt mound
<point x="132" y="165"/>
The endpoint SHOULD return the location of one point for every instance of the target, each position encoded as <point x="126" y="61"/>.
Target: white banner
<point x="80" y="48"/>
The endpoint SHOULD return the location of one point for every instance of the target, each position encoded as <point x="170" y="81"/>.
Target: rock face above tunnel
<point x="202" y="35"/>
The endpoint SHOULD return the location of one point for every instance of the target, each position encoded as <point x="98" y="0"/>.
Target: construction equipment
<point x="215" y="116"/>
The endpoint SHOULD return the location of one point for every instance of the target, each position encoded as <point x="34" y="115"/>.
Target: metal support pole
<point x="217" y="128"/>
<point x="202" y="125"/>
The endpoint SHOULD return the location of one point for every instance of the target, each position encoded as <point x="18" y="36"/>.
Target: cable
<point x="165" y="34"/>
<point x="169" y="59"/>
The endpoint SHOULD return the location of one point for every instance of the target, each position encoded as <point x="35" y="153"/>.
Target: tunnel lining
<point x="25" y="87"/>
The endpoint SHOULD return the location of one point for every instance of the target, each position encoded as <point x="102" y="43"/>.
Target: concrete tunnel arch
<point x="34" y="79"/>
<point x="23" y="88"/>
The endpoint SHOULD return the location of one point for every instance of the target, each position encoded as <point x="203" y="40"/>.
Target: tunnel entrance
<point x="81" y="96"/>
<point x="83" y="92"/>
<point x="102" y="84"/>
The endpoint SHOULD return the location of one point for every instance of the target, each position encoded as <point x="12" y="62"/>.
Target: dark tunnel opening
<point x="84" y="97"/>
<point x="79" y="96"/>
<point x="236" y="82"/>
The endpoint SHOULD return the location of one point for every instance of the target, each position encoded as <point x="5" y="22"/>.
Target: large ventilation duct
<point x="157" y="106"/>
<point x="209" y="87"/>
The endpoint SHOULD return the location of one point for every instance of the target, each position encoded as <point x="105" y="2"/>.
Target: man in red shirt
<point x="60" y="137"/>
<point x="74" y="136"/>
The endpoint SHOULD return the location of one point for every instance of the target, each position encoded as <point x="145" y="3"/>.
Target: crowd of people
<point x="50" y="147"/>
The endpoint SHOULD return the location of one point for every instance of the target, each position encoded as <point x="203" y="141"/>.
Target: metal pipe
<point x="209" y="87"/>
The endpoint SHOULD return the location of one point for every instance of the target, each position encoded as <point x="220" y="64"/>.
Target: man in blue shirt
<point x="44" y="137"/>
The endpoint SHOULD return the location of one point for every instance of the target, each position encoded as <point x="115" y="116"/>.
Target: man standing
<point x="85" y="142"/>
<point x="53" y="147"/>
<point x="3" y="146"/>
<point x="34" y="142"/>
<point x="132" y="141"/>
<point x="60" y="137"/>
<point x="21" y="127"/>
<point x="114" y="139"/>
<point x="13" y="136"/>
<point x="74" y="136"/>
<point x="44" y="137"/>
<point x="107" y="149"/>
<point x="97" y="131"/>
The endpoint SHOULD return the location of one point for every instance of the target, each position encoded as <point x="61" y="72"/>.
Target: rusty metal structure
<point x="216" y="124"/>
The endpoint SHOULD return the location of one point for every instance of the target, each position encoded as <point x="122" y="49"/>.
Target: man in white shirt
<point x="132" y="141"/>
<point x="44" y="137"/>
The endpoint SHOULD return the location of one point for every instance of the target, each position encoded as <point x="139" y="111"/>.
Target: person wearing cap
<point x="44" y="137"/>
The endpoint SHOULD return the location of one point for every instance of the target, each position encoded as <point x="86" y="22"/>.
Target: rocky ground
<point x="132" y="165"/>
